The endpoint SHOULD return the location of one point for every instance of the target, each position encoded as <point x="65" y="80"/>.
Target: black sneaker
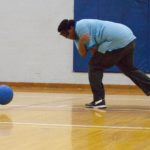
<point x="96" y="104"/>
<point x="148" y="93"/>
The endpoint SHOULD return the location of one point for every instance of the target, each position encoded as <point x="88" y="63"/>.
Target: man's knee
<point x="128" y="70"/>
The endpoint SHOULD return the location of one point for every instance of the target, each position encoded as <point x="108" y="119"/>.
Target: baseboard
<point x="75" y="88"/>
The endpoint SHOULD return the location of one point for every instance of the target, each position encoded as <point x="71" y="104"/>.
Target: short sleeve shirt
<point x="105" y="35"/>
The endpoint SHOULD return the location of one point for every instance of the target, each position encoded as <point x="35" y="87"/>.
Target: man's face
<point x="69" y="34"/>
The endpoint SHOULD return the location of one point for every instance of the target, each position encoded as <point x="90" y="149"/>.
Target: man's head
<point x="67" y="28"/>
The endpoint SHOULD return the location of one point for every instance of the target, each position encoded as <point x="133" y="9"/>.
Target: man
<point x="111" y="44"/>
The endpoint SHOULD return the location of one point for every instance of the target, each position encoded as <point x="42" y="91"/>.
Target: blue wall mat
<point x="133" y="13"/>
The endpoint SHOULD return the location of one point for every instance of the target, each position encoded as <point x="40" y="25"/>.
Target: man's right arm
<point x="81" y="45"/>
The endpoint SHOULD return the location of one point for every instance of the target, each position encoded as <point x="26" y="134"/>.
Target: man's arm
<point x="82" y="41"/>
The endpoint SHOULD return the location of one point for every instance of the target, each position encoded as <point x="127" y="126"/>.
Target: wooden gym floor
<point x="37" y="120"/>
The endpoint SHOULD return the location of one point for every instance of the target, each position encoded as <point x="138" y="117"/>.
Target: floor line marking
<point x="67" y="106"/>
<point x="76" y="126"/>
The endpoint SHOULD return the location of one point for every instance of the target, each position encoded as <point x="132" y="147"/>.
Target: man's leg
<point x="137" y="76"/>
<point x="123" y="58"/>
<point x="95" y="79"/>
<point x="97" y="64"/>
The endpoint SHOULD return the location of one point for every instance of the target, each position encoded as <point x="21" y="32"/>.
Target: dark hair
<point x="65" y="25"/>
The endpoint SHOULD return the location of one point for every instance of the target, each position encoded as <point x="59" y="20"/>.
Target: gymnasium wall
<point x="31" y="50"/>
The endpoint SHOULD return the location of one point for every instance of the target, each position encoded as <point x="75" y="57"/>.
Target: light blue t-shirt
<point x="105" y="35"/>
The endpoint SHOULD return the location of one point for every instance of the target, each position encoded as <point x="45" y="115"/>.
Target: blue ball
<point x="6" y="94"/>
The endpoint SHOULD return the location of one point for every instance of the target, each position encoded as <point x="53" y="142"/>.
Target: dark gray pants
<point x="123" y="58"/>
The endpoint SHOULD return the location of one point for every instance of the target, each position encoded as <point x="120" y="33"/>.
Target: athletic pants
<point x="123" y="58"/>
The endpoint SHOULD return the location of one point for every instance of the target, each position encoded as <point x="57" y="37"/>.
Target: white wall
<point x="31" y="50"/>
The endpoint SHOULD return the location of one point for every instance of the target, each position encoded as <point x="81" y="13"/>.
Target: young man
<point x="111" y="44"/>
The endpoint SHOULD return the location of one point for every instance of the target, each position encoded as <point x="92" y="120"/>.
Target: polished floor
<point x="59" y="121"/>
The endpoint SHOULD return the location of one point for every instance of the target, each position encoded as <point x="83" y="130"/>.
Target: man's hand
<point x="84" y="38"/>
<point x="93" y="50"/>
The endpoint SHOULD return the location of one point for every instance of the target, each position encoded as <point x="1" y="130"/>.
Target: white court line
<point x="68" y="106"/>
<point x="80" y="107"/>
<point x="76" y="126"/>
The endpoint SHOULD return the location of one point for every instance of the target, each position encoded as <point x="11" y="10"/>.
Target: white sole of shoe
<point x="97" y="107"/>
